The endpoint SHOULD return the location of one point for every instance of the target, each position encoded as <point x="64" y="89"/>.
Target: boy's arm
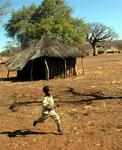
<point x="45" y="102"/>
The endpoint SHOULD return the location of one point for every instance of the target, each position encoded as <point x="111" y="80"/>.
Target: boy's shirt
<point x="48" y="103"/>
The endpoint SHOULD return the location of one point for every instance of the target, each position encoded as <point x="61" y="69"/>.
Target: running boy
<point x="48" y="109"/>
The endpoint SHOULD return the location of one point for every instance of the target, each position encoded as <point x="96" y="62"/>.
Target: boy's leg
<point x="59" y="128"/>
<point x="41" y="119"/>
<point x="56" y="118"/>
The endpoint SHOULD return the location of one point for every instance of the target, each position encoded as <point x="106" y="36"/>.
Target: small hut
<point x="46" y="60"/>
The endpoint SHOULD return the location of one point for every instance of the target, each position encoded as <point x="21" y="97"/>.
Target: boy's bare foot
<point x="60" y="132"/>
<point x="34" y="123"/>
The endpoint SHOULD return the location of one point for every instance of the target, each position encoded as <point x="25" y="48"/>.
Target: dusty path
<point x="90" y="107"/>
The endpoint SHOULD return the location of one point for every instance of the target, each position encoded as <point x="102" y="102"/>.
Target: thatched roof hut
<point x="45" y="60"/>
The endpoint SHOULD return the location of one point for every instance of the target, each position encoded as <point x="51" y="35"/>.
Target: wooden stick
<point x="31" y="73"/>
<point x="47" y="69"/>
<point x="82" y="65"/>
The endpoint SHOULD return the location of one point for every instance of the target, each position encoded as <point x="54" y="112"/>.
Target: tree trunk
<point x="94" y="49"/>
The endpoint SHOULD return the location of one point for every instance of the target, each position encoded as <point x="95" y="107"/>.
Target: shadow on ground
<point x="87" y="99"/>
<point x="12" y="79"/>
<point x="24" y="133"/>
<point x="93" y="96"/>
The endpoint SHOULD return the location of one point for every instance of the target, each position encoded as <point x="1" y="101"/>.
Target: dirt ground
<point x="90" y="107"/>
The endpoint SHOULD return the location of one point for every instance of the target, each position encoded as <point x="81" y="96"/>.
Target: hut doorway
<point x="47" y="68"/>
<point x="38" y="69"/>
<point x="34" y="70"/>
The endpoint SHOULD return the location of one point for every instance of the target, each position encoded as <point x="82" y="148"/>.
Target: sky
<point x="107" y="12"/>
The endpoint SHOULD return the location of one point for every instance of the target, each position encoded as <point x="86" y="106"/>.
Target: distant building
<point x="112" y="50"/>
<point x="100" y="50"/>
<point x="108" y="50"/>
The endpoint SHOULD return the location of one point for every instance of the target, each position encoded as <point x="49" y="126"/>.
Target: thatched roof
<point x="43" y="48"/>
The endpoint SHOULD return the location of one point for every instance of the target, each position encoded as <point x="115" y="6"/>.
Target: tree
<point x="4" y="7"/>
<point x="51" y="19"/>
<point x="19" y="26"/>
<point x="99" y="33"/>
<point x="10" y="49"/>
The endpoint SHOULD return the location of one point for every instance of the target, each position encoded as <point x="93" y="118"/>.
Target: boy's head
<point x="46" y="90"/>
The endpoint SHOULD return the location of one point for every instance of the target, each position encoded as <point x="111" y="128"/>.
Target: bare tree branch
<point x="4" y="7"/>
<point x="99" y="33"/>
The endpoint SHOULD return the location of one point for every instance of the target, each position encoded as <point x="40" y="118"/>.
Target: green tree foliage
<point x="51" y="19"/>
<point x="20" y="27"/>
<point x="99" y="33"/>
